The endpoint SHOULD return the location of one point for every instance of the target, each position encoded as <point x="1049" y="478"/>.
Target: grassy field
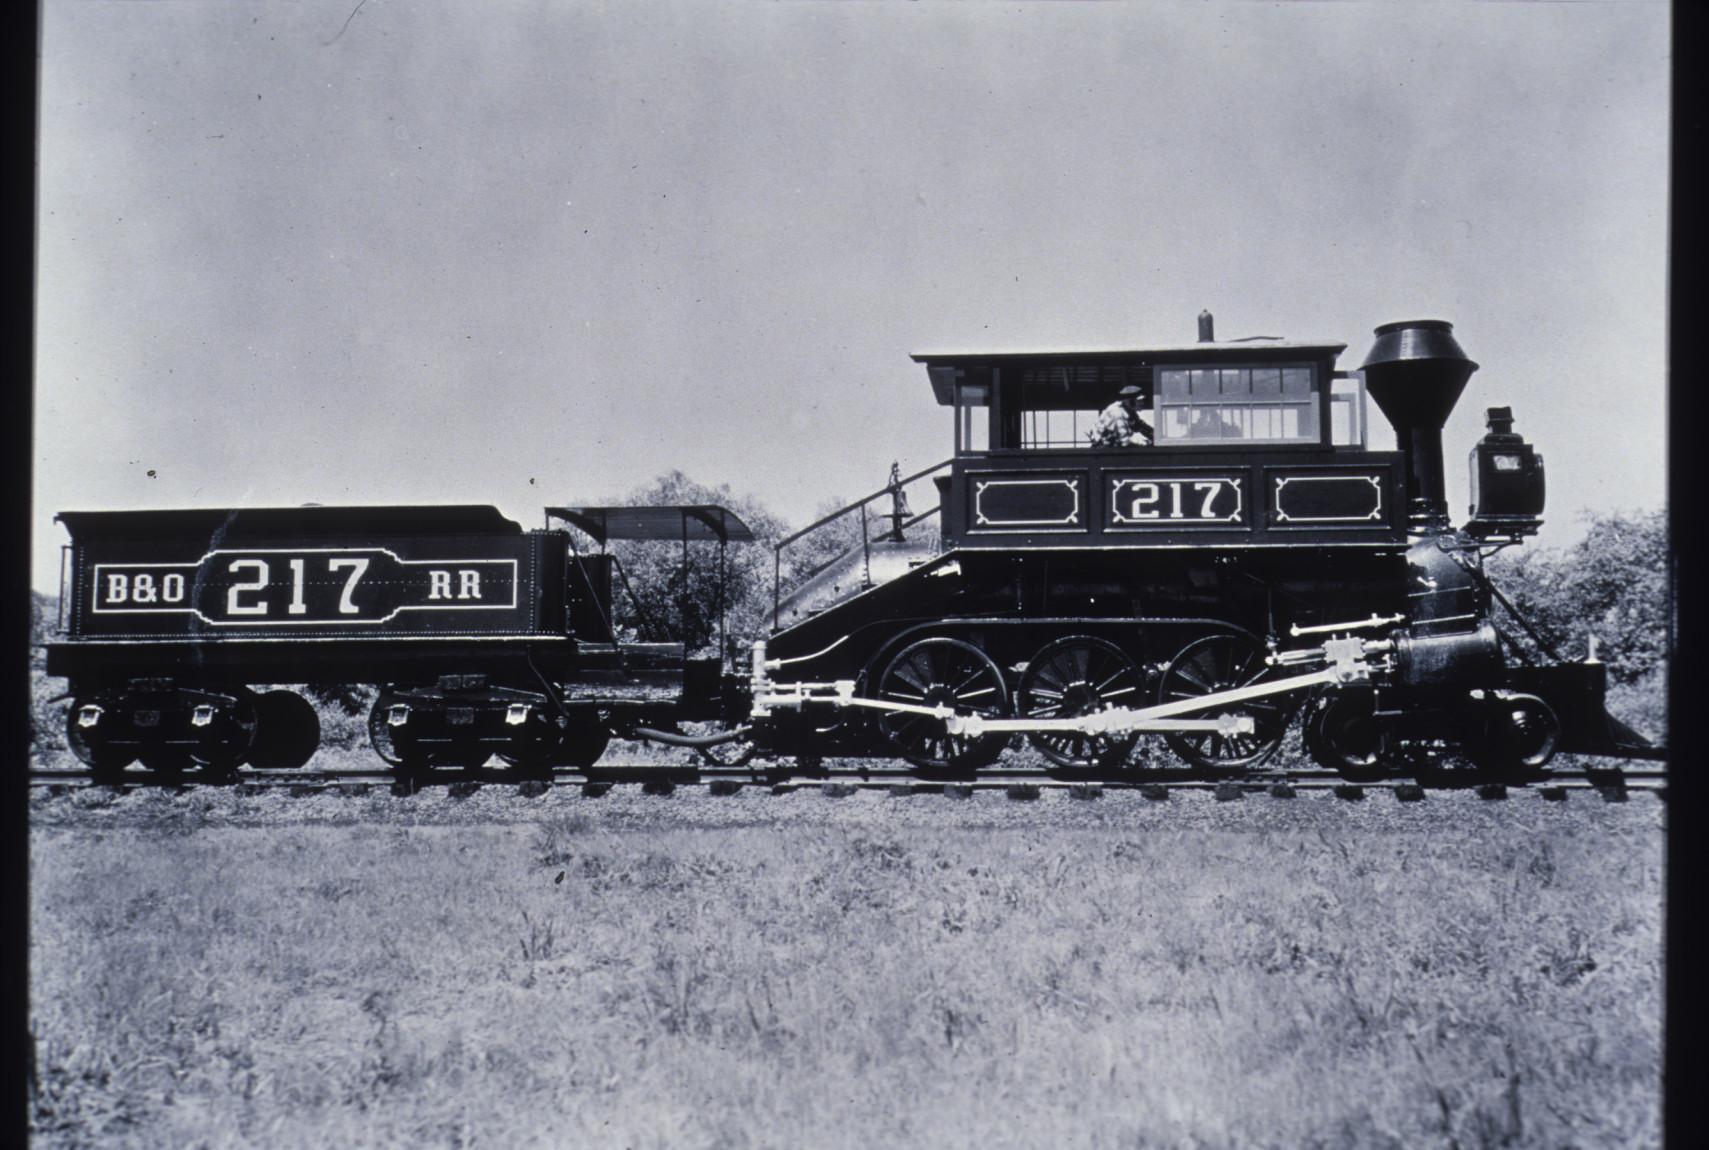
<point x="213" y="970"/>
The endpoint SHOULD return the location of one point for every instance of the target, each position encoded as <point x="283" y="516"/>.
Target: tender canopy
<point x="706" y="521"/>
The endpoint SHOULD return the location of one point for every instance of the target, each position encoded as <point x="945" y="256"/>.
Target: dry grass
<point x="212" y="970"/>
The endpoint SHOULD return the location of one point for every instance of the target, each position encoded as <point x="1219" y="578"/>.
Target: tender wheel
<point x="942" y="672"/>
<point x="1219" y="663"/>
<point x="390" y="739"/>
<point x="1341" y="734"/>
<point x="534" y="749"/>
<point x="1079" y="675"/>
<point x="86" y="726"/>
<point x="287" y="731"/>
<point x="223" y="743"/>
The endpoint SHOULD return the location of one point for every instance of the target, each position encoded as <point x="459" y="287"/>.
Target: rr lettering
<point x="118" y="588"/>
<point x="439" y="584"/>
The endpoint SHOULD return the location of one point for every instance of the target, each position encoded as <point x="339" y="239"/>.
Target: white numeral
<point x="259" y="607"/>
<point x="297" y="607"/>
<point x="346" y="604"/>
<point x="1145" y="494"/>
<point x="1210" y="490"/>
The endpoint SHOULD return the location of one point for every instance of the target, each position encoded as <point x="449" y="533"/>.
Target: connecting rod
<point x="1345" y="659"/>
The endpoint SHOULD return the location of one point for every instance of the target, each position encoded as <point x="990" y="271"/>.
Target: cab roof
<point x="942" y="365"/>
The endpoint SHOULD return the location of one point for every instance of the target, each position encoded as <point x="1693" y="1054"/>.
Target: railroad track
<point x="1016" y="783"/>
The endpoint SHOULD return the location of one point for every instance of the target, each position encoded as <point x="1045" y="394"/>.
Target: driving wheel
<point x="942" y="672"/>
<point x="1219" y="663"/>
<point x="1074" y="676"/>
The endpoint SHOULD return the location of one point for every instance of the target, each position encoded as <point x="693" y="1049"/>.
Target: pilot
<point x="1120" y="424"/>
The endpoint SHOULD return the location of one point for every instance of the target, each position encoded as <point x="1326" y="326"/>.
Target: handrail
<point x="906" y="523"/>
<point x="859" y="503"/>
<point x="892" y="489"/>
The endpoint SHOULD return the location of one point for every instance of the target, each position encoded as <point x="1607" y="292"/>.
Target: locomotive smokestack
<point x="1207" y="332"/>
<point x="1416" y="372"/>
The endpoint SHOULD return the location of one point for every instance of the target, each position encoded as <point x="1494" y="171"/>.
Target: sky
<point x="539" y="253"/>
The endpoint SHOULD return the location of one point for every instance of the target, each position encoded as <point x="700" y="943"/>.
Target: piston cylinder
<point x="1441" y="660"/>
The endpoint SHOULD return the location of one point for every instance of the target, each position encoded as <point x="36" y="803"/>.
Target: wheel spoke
<point x="965" y="683"/>
<point x="905" y="720"/>
<point x="1192" y="677"/>
<point x="908" y="676"/>
<point x="1103" y="687"/>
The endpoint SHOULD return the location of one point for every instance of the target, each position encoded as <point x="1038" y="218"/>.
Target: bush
<point x="1613" y="583"/>
<point x="343" y="712"/>
<point x="47" y="709"/>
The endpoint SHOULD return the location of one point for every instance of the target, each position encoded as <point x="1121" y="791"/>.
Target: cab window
<point x="1257" y="404"/>
<point x="972" y="417"/>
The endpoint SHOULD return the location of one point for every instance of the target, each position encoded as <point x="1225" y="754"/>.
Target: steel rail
<point x="1168" y="779"/>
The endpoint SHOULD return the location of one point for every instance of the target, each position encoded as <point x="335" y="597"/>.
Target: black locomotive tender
<point x="1254" y="565"/>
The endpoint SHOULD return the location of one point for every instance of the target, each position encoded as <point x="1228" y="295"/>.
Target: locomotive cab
<point x="1245" y="443"/>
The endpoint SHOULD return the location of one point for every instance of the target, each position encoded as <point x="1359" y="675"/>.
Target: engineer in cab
<point x="1120" y="424"/>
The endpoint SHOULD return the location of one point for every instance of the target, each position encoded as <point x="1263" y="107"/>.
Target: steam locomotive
<point x="1254" y="565"/>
